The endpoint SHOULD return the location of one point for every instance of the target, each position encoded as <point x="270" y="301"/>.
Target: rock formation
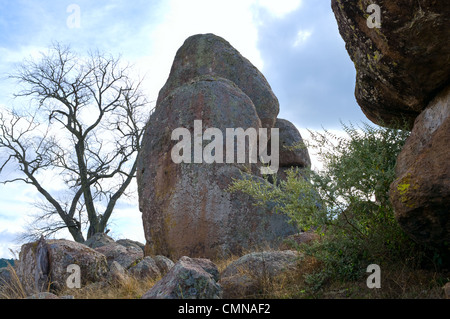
<point x="421" y="192"/>
<point x="292" y="153"/>
<point x="186" y="208"/>
<point x="48" y="265"/>
<point x="402" y="65"/>
<point x="207" y="54"/>
<point x="403" y="73"/>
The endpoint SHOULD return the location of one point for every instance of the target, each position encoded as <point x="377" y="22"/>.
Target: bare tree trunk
<point x="85" y="186"/>
<point x="88" y="151"/>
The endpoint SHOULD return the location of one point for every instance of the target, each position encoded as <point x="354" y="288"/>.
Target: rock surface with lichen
<point x="403" y="75"/>
<point x="421" y="192"/>
<point x="187" y="209"/>
<point x="61" y="254"/>
<point x="401" y="65"/>
<point x="189" y="278"/>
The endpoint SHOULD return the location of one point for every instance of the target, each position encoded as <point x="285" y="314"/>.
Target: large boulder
<point x="401" y="65"/>
<point x="421" y="192"/>
<point x="61" y="254"/>
<point x="247" y="276"/>
<point x="208" y="54"/>
<point x="293" y="151"/>
<point x="186" y="207"/>
<point x="189" y="278"/>
<point x="426" y="124"/>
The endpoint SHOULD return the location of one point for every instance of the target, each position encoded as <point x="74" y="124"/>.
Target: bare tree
<point x="84" y="125"/>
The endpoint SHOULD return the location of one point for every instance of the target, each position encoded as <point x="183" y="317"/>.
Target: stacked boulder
<point x="186" y="208"/>
<point x="403" y="75"/>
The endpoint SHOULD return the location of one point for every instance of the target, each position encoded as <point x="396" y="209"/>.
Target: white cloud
<point x="234" y="20"/>
<point x="280" y="8"/>
<point x="302" y="37"/>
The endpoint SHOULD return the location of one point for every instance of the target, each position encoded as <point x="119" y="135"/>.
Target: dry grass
<point x="12" y="289"/>
<point x="128" y="288"/>
<point x="398" y="282"/>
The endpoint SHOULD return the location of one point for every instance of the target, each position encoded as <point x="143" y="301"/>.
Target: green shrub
<point x="347" y="202"/>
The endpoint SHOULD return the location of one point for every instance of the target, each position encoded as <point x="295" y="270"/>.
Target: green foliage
<point x="358" y="168"/>
<point x="5" y="262"/>
<point x="288" y="197"/>
<point x="347" y="201"/>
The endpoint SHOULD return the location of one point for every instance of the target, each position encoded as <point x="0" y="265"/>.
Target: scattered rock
<point x="125" y="256"/>
<point x="270" y="263"/>
<point x="132" y="243"/>
<point x="99" y="240"/>
<point x="290" y="157"/>
<point x="117" y="273"/>
<point x="146" y="268"/>
<point x="241" y="286"/>
<point x="246" y="276"/>
<point x="426" y="124"/>
<point x="189" y="278"/>
<point x="401" y="65"/>
<point x="164" y="264"/>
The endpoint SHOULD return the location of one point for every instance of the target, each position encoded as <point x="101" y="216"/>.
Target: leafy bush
<point x="347" y="202"/>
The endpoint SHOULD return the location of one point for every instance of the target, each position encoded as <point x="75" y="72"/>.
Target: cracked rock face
<point x="402" y="65"/>
<point x="186" y="208"/>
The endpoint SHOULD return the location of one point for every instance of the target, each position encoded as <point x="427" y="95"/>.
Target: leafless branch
<point x="86" y="126"/>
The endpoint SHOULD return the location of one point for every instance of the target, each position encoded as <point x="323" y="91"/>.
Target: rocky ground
<point x="104" y="262"/>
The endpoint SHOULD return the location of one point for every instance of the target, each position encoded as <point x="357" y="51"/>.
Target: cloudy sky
<point x="295" y="43"/>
